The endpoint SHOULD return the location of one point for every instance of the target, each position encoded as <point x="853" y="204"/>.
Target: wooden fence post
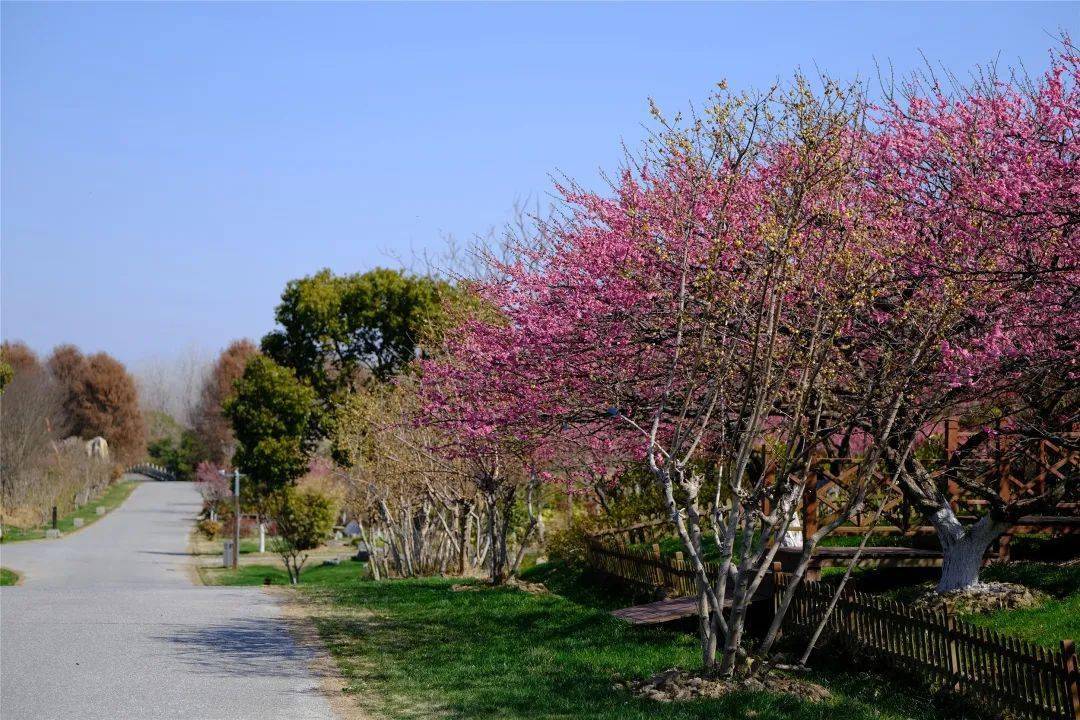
<point x="777" y="580"/>
<point x="954" y="650"/>
<point x="1072" y="675"/>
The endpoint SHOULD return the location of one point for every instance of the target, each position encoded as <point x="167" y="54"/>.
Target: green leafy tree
<point x="181" y="457"/>
<point x="337" y="331"/>
<point x="271" y="414"/>
<point x="304" y="519"/>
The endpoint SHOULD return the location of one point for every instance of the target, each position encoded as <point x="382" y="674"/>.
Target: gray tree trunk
<point x="962" y="547"/>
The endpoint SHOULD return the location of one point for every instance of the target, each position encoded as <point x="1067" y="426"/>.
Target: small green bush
<point x="304" y="519"/>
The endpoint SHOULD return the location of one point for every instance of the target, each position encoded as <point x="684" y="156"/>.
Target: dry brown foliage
<point x="210" y="425"/>
<point x="100" y="399"/>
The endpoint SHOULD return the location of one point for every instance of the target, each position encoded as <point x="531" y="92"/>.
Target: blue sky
<point x="166" y="168"/>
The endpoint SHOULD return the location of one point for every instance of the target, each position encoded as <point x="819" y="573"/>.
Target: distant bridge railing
<point x="154" y="472"/>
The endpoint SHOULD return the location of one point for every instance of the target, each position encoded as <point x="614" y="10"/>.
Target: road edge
<point x="332" y="683"/>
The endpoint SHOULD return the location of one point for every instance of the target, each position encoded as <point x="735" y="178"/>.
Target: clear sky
<point x="168" y="167"/>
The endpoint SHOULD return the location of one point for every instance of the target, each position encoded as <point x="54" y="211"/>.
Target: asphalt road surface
<point x="109" y="624"/>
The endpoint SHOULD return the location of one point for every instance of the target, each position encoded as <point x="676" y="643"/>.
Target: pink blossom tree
<point x="693" y="316"/>
<point x="981" y="187"/>
<point x="775" y="285"/>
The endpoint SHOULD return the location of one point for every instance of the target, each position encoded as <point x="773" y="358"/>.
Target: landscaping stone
<point x="100" y="509"/>
<point x="78" y="522"/>
<point x="676" y="685"/>
<point x="52" y="534"/>
<point x="983" y="597"/>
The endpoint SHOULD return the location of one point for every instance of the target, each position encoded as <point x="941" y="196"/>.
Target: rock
<point x="52" y="534"/>
<point x="100" y="509"/>
<point x="676" y="685"/>
<point x="78" y="522"/>
<point x="97" y="448"/>
<point x="980" y="598"/>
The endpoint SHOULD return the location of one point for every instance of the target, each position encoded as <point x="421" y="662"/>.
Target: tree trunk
<point x="463" y="532"/>
<point x="496" y="566"/>
<point x="962" y="548"/>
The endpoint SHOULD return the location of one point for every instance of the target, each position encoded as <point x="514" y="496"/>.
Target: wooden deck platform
<point x="659" y="612"/>
<point x="677" y="608"/>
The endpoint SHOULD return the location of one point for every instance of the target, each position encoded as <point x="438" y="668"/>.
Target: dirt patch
<point x="466" y="588"/>
<point x="191" y="567"/>
<point x="528" y="587"/>
<point x="522" y="585"/>
<point x="677" y="685"/>
<point x="981" y="598"/>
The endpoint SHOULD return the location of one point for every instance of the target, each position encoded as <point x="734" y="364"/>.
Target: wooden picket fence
<point x="647" y="530"/>
<point x="647" y="569"/>
<point x="1031" y="681"/>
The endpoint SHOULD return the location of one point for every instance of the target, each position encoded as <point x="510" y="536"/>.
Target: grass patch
<point x="248" y="546"/>
<point x="1057" y="580"/>
<point x="1048" y="624"/>
<point x="113" y="497"/>
<point x="331" y="575"/>
<point x="1055" y="620"/>
<point x="416" y="648"/>
<point x="8" y="577"/>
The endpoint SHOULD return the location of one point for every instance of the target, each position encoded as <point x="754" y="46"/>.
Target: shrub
<point x="209" y="529"/>
<point x="568" y="543"/>
<point x="304" y="520"/>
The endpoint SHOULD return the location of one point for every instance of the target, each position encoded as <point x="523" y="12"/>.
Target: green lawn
<point x="113" y="497"/>
<point x="248" y="546"/>
<point x="416" y="648"/>
<point x="1056" y="620"/>
<point x="8" y="577"/>
<point x="257" y="574"/>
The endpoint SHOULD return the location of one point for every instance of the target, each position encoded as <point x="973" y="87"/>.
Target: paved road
<point x="108" y="624"/>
